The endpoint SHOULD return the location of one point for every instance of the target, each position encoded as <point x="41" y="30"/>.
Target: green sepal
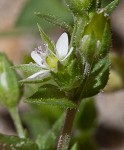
<point x="31" y="69"/>
<point x="96" y="25"/>
<point x="89" y="47"/>
<point x="68" y="77"/>
<point x="50" y="95"/>
<point x="54" y="20"/>
<point x="28" y="68"/>
<point x="79" y="27"/>
<point x="9" y="87"/>
<point x="46" y="39"/>
<point x="48" y="140"/>
<point x="110" y="7"/>
<point x="43" y="78"/>
<point x="105" y="43"/>
<point x="14" y="143"/>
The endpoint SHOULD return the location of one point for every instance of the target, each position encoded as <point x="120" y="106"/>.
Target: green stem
<point x="65" y="136"/>
<point x="16" y="118"/>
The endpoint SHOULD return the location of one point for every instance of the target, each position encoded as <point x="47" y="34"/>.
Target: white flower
<point x="48" y="60"/>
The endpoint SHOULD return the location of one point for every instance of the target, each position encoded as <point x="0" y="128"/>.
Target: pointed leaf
<point x="46" y="39"/>
<point x="15" y="143"/>
<point x="50" y="95"/>
<point x="54" y="20"/>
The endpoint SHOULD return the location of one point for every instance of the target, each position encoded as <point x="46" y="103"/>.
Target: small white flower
<point x="48" y="60"/>
<point x="62" y="47"/>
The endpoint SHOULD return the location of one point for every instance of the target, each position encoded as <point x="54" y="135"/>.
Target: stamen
<point x="39" y="50"/>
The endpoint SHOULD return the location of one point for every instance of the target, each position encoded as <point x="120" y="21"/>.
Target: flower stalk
<point x="65" y="136"/>
<point x="16" y="119"/>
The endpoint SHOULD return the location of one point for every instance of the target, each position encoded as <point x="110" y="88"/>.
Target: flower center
<point x="51" y="61"/>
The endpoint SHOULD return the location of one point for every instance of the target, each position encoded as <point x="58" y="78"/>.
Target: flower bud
<point x="78" y="6"/>
<point x="9" y="87"/>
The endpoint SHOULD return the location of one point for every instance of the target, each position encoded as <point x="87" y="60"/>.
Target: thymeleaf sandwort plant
<point x="75" y="68"/>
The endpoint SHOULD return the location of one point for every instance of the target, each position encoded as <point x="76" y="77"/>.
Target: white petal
<point x="62" y="46"/>
<point x="69" y="53"/>
<point x="38" y="73"/>
<point x="36" y="57"/>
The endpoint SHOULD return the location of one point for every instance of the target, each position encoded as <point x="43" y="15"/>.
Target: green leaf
<point x="54" y="20"/>
<point x="46" y="39"/>
<point x="50" y="95"/>
<point x="48" y="141"/>
<point x="86" y="123"/>
<point x="15" y="143"/>
<point x="87" y="116"/>
<point x="9" y="87"/>
<point x="110" y="7"/>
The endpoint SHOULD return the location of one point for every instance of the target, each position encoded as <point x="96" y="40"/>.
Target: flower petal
<point x="38" y="73"/>
<point x="69" y="53"/>
<point x="36" y="57"/>
<point x="62" y="46"/>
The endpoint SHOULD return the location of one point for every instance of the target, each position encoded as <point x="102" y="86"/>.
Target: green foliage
<point x="86" y="118"/>
<point x="12" y="142"/>
<point x="83" y="74"/>
<point x="48" y="140"/>
<point x="9" y="86"/>
<point x="51" y="95"/>
<point x="69" y="76"/>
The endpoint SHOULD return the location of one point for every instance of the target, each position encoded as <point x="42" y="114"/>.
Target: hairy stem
<point x="64" y="139"/>
<point x="16" y="118"/>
